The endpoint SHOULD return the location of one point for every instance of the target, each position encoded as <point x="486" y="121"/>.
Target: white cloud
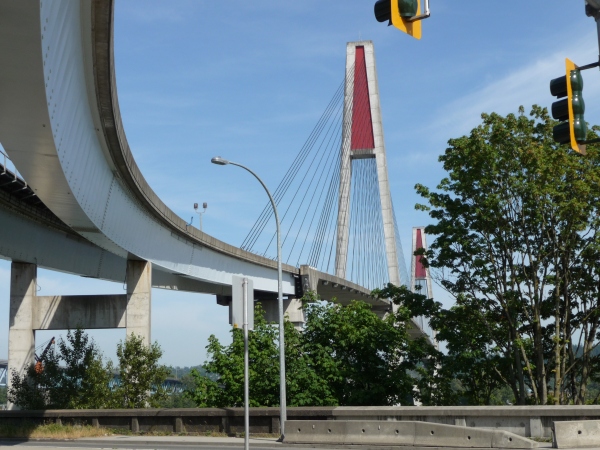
<point x="525" y="86"/>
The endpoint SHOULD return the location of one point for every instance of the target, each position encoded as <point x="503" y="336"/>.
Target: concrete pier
<point x="29" y="313"/>
<point x="21" y="336"/>
<point x="139" y="291"/>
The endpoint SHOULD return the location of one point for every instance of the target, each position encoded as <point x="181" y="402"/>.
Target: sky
<point x="249" y="80"/>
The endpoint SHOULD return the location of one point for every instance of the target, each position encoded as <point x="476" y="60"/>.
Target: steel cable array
<point x="308" y="203"/>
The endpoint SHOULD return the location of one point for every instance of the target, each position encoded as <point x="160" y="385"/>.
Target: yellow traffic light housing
<point x="402" y="13"/>
<point x="569" y="110"/>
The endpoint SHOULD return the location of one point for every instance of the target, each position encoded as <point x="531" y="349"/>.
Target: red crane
<point x="39" y="367"/>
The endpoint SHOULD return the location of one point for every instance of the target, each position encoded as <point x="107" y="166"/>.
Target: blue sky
<point x="249" y="80"/>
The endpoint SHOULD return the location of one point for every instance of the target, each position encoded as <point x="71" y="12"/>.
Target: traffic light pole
<point x="592" y="9"/>
<point x="425" y="15"/>
<point x="597" y="18"/>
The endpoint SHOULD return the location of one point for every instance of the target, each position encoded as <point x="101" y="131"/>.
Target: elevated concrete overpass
<point x="61" y="126"/>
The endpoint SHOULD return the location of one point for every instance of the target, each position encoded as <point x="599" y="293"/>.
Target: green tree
<point x="141" y="378"/>
<point x="305" y="383"/>
<point x="72" y="377"/>
<point x="362" y="358"/>
<point x="517" y="245"/>
<point x="226" y="387"/>
<point x="3" y="396"/>
<point x="176" y="398"/>
<point x="346" y="355"/>
<point x="423" y="363"/>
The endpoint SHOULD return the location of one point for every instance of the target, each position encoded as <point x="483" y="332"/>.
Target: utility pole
<point x="592" y="9"/>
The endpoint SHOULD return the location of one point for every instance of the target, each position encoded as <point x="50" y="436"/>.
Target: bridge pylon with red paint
<point x="362" y="137"/>
<point x="420" y="277"/>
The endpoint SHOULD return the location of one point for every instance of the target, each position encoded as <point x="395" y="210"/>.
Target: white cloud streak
<point x="525" y="86"/>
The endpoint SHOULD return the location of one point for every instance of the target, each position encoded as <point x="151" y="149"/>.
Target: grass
<point x="56" y="431"/>
<point x="52" y="431"/>
<point x="541" y="439"/>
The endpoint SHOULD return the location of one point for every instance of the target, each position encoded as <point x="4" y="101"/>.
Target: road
<point x="152" y="442"/>
<point x="192" y="442"/>
<point x="145" y="442"/>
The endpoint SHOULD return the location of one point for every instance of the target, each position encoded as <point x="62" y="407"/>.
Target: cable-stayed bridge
<point x="80" y="204"/>
<point x="337" y="212"/>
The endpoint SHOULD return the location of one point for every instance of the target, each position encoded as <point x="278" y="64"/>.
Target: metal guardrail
<point x="11" y="180"/>
<point x="13" y="183"/>
<point x="5" y="172"/>
<point x="3" y="372"/>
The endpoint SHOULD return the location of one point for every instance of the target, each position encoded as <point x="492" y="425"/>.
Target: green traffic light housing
<point x="408" y="8"/>
<point x="569" y="110"/>
<point x="383" y="11"/>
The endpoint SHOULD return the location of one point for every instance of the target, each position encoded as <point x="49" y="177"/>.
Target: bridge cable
<point x="283" y="186"/>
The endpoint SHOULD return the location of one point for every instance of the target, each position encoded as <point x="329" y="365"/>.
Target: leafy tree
<point x="305" y="381"/>
<point x="74" y="377"/>
<point x="346" y="355"/>
<point x="422" y="362"/>
<point x="177" y="398"/>
<point x="517" y="245"/>
<point x="362" y="358"/>
<point x="3" y="396"/>
<point x="227" y="388"/>
<point x="141" y="378"/>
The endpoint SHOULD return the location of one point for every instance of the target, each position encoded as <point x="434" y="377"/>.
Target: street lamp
<point x="200" y="213"/>
<point x="282" y="401"/>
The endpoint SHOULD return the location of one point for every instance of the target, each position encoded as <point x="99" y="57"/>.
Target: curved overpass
<point x="60" y="123"/>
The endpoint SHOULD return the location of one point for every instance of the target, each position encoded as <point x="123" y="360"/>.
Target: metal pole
<point x="592" y="9"/>
<point x="282" y="390"/>
<point x="597" y="17"/>
<point x="246" y="371"/>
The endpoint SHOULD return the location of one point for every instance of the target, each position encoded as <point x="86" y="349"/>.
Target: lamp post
<point x="200" y="213"/>
<point x="282" y="400"/>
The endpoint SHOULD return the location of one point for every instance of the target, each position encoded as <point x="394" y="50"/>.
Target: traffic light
<point x="399" y="13"/>
<point x="569" y="110"/>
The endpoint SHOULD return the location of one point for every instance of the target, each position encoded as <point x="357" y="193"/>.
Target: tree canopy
<point x="72" y="377"/>
<point x="345" y="355"/>
<point x="517" y="246"/>
<point x="76" y="377"/>
<point x="141" y="377"/>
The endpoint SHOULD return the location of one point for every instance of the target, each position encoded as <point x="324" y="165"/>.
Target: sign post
<point x="243" y="302"/>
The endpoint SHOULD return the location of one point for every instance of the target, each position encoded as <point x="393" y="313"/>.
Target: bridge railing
<point x="3" y="372"/>
<point x="8" y="170"/>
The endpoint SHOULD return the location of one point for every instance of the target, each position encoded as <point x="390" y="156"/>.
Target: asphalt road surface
<point x="191" y="442"/>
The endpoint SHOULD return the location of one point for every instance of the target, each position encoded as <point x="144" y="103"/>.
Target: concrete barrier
<point x="409" y="433"/>
<point x="526" y="421"/>
<point x="577" y="434"/>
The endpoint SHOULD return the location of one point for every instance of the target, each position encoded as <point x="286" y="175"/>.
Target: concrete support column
<point x="135" y="425"/>
<point x="536" y="428"/>
<point x="139" y="291"/>
<point x="178" y="425"/>
<point x="387" y="213"/>
<point x="292" y="308"/>
<point x="21" y="336"/>
<point x="343" y="220"/>
<point x="460" y="421"/>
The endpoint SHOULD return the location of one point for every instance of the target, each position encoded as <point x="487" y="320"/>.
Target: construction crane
<point x="39" y="367"/>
